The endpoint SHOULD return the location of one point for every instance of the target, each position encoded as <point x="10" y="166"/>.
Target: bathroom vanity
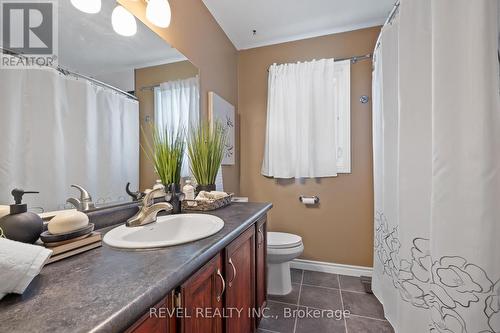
<point x="112" y="290"/>
<point x="221" y="296"/>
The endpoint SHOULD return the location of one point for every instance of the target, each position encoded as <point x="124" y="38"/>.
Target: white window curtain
<point x="177" y="107"/>
<point x="57" y="130"/>
<point x="308" y="120"/>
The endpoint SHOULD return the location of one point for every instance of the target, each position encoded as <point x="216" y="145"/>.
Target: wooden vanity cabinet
<point x="240" y="279"/>
<point x="260" y="265"/>
<point x="222" y="296"/>
<point x="159" y="319"/>
<point x="202" y="299"/>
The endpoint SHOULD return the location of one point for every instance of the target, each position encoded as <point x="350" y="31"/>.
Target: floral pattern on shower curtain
<point x="436" y="129"/>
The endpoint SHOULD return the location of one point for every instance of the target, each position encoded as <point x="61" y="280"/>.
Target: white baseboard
<point x="330" y="267"/>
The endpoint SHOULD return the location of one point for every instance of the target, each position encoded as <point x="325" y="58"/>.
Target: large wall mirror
<point x="81" y="123"/>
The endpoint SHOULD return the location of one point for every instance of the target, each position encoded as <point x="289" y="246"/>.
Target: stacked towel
<point x="213" y="195"/>
<point x="19" y="264"/>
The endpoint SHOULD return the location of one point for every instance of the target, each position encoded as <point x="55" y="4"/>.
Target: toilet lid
<point x="281" y="240"/>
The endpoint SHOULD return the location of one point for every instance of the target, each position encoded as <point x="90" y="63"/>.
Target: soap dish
<point x="47" y="237"/>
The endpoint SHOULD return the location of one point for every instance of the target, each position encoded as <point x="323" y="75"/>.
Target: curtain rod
<point x="392" y="14"/>
<point x="353" y="60"/>
<point x="75" y="74"/>
<point x="97" y="82"/>
<point x="152" y="87"/>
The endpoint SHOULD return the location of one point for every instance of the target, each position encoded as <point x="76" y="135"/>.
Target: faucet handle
<point x="84" y="195"/>
<point x="148" y="199"/>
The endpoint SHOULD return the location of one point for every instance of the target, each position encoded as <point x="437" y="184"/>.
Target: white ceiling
<point x="89" y="45"/>
<point x="278" y="21"/>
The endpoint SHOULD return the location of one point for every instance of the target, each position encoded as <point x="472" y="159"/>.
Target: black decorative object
<point x="174" y="197"/>
<point x="21" y="225"/>
<point x="206" y="188"/>
<point x="136" y="196"/>
<point x="47" y="237"/>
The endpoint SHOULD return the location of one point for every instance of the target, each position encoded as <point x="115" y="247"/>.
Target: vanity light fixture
<point x="87" y="6"/>
<point x="158" y="12"/>
<point x="123" y="22"/>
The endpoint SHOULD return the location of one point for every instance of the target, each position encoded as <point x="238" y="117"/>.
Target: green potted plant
<point x="167" y="153"/>
<point x="206" y="151"/>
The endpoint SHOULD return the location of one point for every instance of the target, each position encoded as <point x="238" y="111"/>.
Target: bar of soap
<point x="67" y="222"/>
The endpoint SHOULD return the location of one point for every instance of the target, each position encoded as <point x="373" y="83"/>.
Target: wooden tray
<point x="206" y="205"/>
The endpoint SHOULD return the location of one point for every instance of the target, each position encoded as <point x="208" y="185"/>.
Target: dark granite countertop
<point x="107" y="290"/>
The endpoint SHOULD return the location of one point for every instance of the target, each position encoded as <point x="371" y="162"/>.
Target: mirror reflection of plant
<point x="206" y="151"/>
<point x="166" y="152"/>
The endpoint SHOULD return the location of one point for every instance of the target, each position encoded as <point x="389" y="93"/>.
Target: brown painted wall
<point x="341" y="229"/>
<point x="194" y="32"/>
<point x="151" y="76"/>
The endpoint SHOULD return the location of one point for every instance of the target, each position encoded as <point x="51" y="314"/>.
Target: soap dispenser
<point x="21" y="225"/>
<point x="188" y="190"/>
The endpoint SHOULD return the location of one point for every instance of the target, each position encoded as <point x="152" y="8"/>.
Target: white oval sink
<point x="166" y="231"/>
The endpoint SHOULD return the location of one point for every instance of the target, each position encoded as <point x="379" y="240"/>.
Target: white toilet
<point x="281" y="249"/>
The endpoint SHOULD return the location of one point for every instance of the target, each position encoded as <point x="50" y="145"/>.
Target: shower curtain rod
<point x="392" y="14"/>
<point x="75" y="74"/>
<point x="95" y="81"/>
<point x="353" y="60"/>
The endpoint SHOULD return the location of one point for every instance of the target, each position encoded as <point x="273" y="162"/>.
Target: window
<point x="177" y="105"/>
<point x="308" y="120"/>
<point x="343" y="111"/>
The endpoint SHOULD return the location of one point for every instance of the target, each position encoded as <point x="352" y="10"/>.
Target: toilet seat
<point x="283" y="240"/>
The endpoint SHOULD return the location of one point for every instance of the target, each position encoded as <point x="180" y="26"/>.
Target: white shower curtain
<point x="436" y="128"/>
<point x="56" y="131"/>
<point x="177" y="104"/>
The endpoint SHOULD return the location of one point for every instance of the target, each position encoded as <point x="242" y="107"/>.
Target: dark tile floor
<point x="303" y="310"/>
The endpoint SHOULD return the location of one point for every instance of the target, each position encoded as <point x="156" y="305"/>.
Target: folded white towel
<point x="218" y="194"/>
<point x="213" y="195"/>
<point x="19" y="264"/>
<point x="203" y="195"/>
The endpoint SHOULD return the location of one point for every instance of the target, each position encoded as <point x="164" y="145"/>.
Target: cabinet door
<point x="202" y="299"/>
<point x="158" y="319"/>
<point x="260" y="264"/>
<point x="240" y="277"/>
<point x="170" y="314"/>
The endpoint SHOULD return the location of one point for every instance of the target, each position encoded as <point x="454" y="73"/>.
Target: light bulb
<point x="158" y="13"/>
<point x="123" y="22"/>
<point x="87" y="6"/>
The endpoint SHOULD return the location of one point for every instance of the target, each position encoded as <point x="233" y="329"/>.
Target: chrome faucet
<point x="85" y="201"/>
<point x="148" y="210"/>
